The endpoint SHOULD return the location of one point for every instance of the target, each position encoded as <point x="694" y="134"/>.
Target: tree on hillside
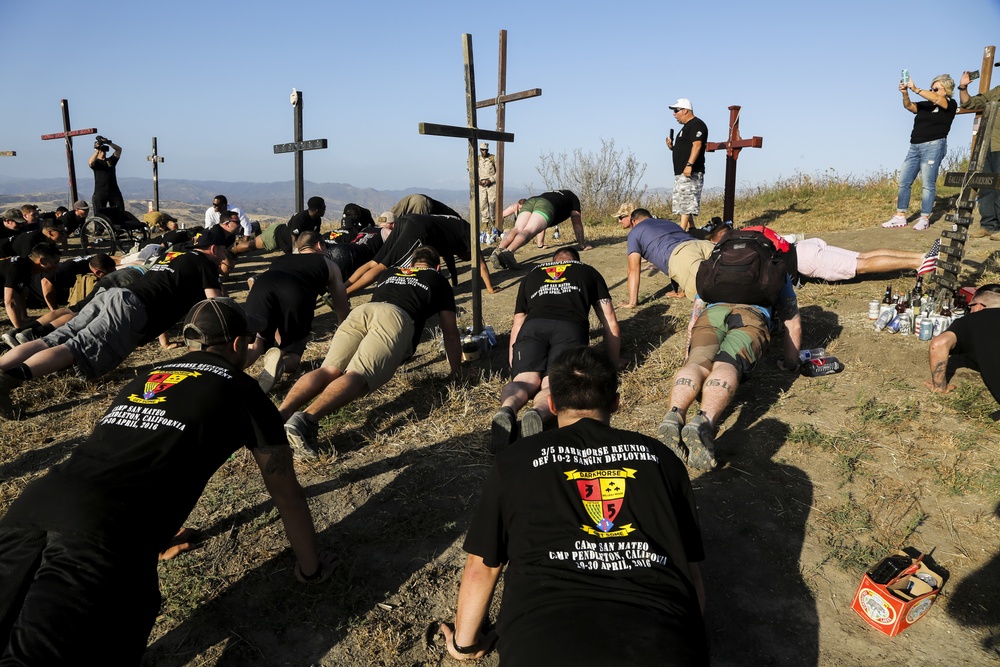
<point x="603" y="180"/>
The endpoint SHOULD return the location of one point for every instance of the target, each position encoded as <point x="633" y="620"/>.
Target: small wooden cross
<point x="297" y="147"/>
<point x="500" y="101"/>
<point x="68" y="135"/>
<point x="156" y="160"/>
<point x="473" y="134"/>
<point x="733" y="145"/>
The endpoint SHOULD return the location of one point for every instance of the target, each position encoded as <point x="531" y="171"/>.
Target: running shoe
<point x="274" y="366"/>
<point x="669" y="433"/>
<point x="25" y="336"/>
<point x="507" y="260"/>
<point x="10" y="339"/>
<point x="495" y="260"/>
<point x="531" y="423"/>
<point x="303" y="435"/>
<point x="503" y="430"/>
<point x="699" y="436"/>
<point x="898" y="220"/>
<point x="922" y="224"/>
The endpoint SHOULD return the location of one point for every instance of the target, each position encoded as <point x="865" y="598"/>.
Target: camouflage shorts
<point x="686" y="199"/>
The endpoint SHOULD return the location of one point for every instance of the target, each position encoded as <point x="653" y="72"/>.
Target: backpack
<point x="83" y="286"/>
<point x="743" y="268"/>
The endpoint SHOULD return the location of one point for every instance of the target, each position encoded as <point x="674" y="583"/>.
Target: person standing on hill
<point x="487" y="187"/>
<point x="689" y="162"/>
<point x="106" y="191"/>
<point x="928" y="146"/>
<point x="989" y="199"/>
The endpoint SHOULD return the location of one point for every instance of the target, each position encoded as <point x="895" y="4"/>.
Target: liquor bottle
<point x="918" y="291"/>
<point x="887" y="299"/>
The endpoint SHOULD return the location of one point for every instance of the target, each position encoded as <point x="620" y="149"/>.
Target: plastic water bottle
<point x="816" y="353"/>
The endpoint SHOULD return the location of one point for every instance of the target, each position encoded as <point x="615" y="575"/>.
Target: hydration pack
<point x="743" y="268"/>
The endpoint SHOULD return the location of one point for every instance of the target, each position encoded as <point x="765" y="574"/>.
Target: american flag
<point x="930" y="259"/>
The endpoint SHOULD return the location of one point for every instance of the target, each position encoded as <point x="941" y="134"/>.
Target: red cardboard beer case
<point x="894" y="606"/>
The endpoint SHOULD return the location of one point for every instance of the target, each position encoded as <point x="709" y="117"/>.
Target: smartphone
<point x="904" y="76"/>
<point x="973" y="75"/>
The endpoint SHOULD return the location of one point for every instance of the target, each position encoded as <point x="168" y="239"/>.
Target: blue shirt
<point x="655" y="239"/>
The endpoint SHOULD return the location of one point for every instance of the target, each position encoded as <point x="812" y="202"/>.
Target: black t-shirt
<point x="24" y="243"/>
<point x="564" y="202"/>
<point x="171" y="286"/>
<point x="303" y="222"/>
<point x="421" y="292"/>
<point x="976" y="339"/>
<point x="139" y="474"/>
<point x="448" y="235"/>
<point x="310" y="269"/>
<point x="104" y="175"/>
<point x="590" y="518"/>
<point x="16" y="272"/>
<point x="932" y="122"/>
<point x="690" y="132"/>
<point x="64" y="277"/>
<point x="561" y="291"/>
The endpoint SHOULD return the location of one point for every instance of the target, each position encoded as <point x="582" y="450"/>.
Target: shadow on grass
<point x="753" y="516"/>
<point x="973" y="602"/>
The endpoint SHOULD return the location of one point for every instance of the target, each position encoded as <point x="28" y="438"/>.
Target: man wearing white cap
<point x="487" y="187"/>
<point x="689" y="162"/>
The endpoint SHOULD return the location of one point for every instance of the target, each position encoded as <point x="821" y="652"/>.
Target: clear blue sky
<point x="211" y="80"/>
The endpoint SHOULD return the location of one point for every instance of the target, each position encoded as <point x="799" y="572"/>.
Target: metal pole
<point x="476" y="251"/>
<point x="299" y="187"/>
<point x="73" y="196"/>
<point x="501" y="118"/>
<point x="156" y="179"/>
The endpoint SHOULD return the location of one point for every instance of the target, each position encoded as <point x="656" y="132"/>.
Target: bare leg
<point x="339" y="393"/>
<point x="687" y="383"/>
<point x="685" y="222"/>
<point x="718" y="390"/>
<point x="308" y="387"/>
<point x="541" y="401"/>
<point x="527" y="225"/>
<point x="515" y="394"/>
<point x="21" y="353"/>
<point x="48" y="360"/>
<point x="882" y="263"/>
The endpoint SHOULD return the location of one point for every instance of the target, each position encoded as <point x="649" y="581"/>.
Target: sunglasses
<point x="620" y="217"/>
<point x="937" y="90"/>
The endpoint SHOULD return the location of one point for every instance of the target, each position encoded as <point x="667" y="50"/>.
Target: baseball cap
<point x="218" y="321"/>
<point x="214" y="236"/>
<point x="81" y="204"/>
<point x="386" y="218"/>
<point x="682" y="103"/>
<point x="484" y="145"/>
<point x="13" y="214"/>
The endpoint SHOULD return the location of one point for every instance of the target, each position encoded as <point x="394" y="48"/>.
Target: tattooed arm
<point x="612" y="334"/>
<point x="275" y="463"/>
<point x="941" y="347"/>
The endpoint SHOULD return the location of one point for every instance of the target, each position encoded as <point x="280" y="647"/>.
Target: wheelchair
<point x="111" y="230"/>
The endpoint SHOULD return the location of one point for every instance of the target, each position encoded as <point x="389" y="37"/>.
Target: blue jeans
<point x="989" y="200"/>
<point x="926" y="159"/>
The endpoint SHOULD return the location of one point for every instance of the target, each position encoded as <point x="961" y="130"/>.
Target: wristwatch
<point x="963" y="87"/>
<point x="689" y="164"/>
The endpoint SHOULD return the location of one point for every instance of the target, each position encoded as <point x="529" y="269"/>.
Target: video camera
<point x="101" y="144"/>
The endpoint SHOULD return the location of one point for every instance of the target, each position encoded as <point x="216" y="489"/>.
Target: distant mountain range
<point x="256" y="199"/>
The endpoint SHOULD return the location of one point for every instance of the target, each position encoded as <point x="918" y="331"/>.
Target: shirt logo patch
<point x="159" y="382"/>
<point x="603" y="495"/>
<point x="555" y="272"/>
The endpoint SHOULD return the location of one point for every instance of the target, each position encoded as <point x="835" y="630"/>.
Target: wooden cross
<point x="500" y="101"/>
<point x="473" y="134"/>
<point x="732" y="146"/>
<point x="8" y="153"/>
<point x="156" y="160"/>
<point x="297" y="147"/>
<point x="68" y="135"/>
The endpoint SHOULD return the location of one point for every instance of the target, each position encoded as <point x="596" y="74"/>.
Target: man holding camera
<point x="106" y="192"/>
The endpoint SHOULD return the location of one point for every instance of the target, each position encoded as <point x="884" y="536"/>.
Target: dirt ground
<point x="818" y="479"/>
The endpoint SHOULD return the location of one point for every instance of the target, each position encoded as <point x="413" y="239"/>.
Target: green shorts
<point x="542" y="207"/>
<point x="730" y="333"/>
<point x="373" y="341"/>
<point x="277" y="237"/>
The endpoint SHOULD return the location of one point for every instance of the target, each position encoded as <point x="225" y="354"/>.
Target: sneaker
<point x="699" y="437"/>
<point x="25" y="336"/>
<point x="10" y="339"/>
<point x="507" y="260"/>
<point x="898" y="220"/>
<point x="303" y="434"/>
<point x="555" y="232"/>
<point x="922" y="224"/>
<point x="531" y="423"/>
<point x="670" y="433"/>
<point x="503" y="430"/>
<point x="7" y="408"/>
<point x="495" y="260"/>
<point x="274" y="366"/>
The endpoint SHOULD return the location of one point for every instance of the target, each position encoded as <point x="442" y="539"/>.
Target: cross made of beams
<point x="298" y="147"/>
<point x="733" y="145"/>
<point x="473" y="134"/>
<point x="500" y="101"/>
<point x="156" y="159"/>
<point x="68" y="135"/>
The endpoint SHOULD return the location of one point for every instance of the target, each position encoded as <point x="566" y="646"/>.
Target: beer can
<point x="883" y="319"/>
<point x="938" y="325"/>
<point x="873" y="309"/>
<point x="926" y="328"/>
<point x="894" y="324"/>
<point x="905" y="325"/>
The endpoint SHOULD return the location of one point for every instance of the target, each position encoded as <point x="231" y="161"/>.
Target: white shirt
<point x="212" y="219"/>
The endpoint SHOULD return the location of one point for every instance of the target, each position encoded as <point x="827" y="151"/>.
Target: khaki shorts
<point x="373" y="341"/>
<point x="729" y="333"/>
<point x="684" y="261"/>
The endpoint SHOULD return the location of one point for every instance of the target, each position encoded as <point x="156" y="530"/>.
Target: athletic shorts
<point x="686" y="199"/>
<point x="373" y="341"/>
<point x="277" y="237"/>
<point x="540" y="341"/>
<point x="542" y="207"/>
<point x="103" y="333"/>
<point x="684" y="261"/>
<point x="816" y="259"/>
<point x="287" y="307"/>
<point x="729" y="333"/>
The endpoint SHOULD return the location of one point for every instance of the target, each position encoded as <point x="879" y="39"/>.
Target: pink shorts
<point x="816" y="259"/>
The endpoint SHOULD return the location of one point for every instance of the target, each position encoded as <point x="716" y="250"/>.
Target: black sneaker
<point x="303" y="435"/>
<point x="7" y="408"/>
<point x="25" y="336"/>
<point x="670" y="433"/>
<point x="503" y="430"/>
<point x="699" y="436"/>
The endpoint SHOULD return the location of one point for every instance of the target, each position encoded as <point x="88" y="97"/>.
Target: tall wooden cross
<point x="473" y="134"/>
<point x="156" y="160"/>
<point x="986" y="76"/>
<point x="500" y="101"/>
<point x="297" y="147"/>
<point x="68" y="135"/>
<point x="733" y="145"/>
